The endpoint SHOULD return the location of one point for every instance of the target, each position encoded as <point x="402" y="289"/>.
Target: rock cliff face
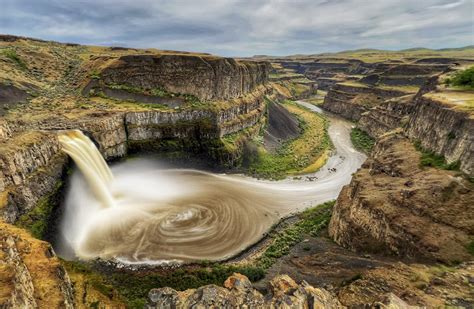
<point x="194" y="129"/>
<point x="352" y="100"/>
<point x="393" y="206"/>
<point x="206" y="77"/>
<point x="32" y="276"/>
<point x="31" y="165"/>
<point x="444" y="129"/>
<point x="386" y="116"/>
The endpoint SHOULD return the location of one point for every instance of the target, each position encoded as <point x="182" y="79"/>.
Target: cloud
<point x="244" y="27"/>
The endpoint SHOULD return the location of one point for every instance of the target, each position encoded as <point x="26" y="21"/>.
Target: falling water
<point x="91" y="163"/>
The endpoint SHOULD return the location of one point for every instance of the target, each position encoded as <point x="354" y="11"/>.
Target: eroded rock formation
<point x="31" y="275"/>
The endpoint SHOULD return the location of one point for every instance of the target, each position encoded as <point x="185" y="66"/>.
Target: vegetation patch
<point x="431" y="159"/>
<point x="36" y="220"/>
<point x="361" y="140"/>
<point x="297" y="154"/>
<point x="191" y="100"/>
<point x="463" y="79"/>
<point x="12" y="55"/>
<point x="470" y="247"/>
<point x="310" y="222"/>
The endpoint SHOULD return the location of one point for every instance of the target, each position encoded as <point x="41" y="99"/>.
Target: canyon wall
<point x="444" y="129"/>
<point x="352" y="100"/>
<point x="394" y="206"/>
<point x="386" y="116"/>
<point x="206" y="77"/>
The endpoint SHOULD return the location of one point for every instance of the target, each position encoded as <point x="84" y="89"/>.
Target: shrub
<point x="12" y="55"/>
<point x="463" y="78"/>
<point x="361" y="140"/>
<point x="431" y="159"/>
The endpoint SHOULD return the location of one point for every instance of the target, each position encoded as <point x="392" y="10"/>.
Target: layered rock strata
<point x="352" y="100"/>
<point x="206" y="77"/>
<point x="386" y="116"/>
<point x="444" y="129"/>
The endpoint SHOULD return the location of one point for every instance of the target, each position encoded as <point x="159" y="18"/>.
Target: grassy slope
<point x="361" y="140"/>
<point x="298" y="154"/>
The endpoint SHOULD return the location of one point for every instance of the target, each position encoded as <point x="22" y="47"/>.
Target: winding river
<point x="141" y="212"/>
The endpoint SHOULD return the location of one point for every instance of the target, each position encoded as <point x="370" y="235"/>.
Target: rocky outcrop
<point x="206" y="77"/>
<point x="32" y="276"/>
<point x="411" y="286"/>
<point x="31" y="166"/>
<point x="393" y="206"/>
<point x="387" y="116"/>
<point x="444" y="129"/>
<point x="352" y="100"/>
<point x="239" y="293"/>
<point x="284" y="292"/>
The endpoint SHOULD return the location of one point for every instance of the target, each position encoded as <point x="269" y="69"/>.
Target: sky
<point x="245" y="28"/>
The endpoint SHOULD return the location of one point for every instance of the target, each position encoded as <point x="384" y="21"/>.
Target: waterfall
<point x="90" y="162"/>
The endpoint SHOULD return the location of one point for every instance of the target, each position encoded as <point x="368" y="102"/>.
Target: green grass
<point x="470" y="247"/>
<point x="361" y="140"/>
<point x="94" y="74"/>
<point x="297" y="154"/>
<point x="311" y="222"/>
<point x="37" y="219"/>
<point x="12" y="55"/>
<point x="159" y="92"/>
<point x="431" y="159"/>
<point x="463" y="79"/>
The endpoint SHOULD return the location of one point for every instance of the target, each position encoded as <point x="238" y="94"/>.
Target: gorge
<point x="350" y="172"/>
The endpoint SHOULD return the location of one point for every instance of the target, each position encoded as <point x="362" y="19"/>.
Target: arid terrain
<point x="394" y="231"/>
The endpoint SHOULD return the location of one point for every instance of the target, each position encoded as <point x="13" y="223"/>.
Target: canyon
<point x="401" y="226"/>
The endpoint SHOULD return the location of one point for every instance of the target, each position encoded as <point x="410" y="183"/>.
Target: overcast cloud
<point x="245" y="28"/>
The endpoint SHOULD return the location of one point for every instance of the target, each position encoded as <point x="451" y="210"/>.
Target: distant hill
<point x="376" y="55"/>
